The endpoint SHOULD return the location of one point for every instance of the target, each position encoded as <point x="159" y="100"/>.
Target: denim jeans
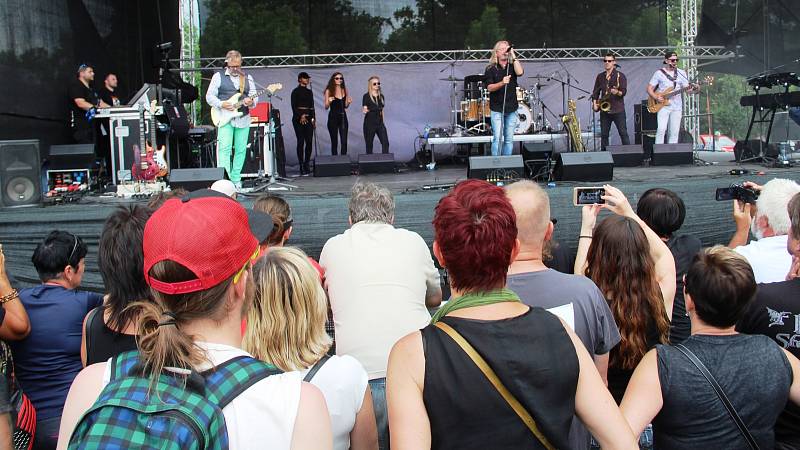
<point x="378" y="388"/>
<point x="504" y="128"/>
<point x="645" y="439"/>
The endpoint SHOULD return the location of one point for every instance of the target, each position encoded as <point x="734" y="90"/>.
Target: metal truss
<point x="691" y="103"/>
<point x="542" y="54"/>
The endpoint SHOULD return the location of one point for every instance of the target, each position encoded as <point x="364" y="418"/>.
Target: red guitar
<point x="144" y="166"/>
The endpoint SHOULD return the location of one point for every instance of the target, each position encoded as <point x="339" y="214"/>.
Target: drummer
<point x="502" y="84"/>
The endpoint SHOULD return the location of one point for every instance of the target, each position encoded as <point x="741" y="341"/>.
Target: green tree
<point x="335" y="27"/>
<point x="729" y="117"/>
<point x="486" y="30"/>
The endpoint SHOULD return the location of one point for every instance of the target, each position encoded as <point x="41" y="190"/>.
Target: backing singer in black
<point x="611" y="86"/>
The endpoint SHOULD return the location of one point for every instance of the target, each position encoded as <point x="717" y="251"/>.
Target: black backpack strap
<point x="751" y="442"/>
<point x="87" y="329"/>
<point x="315" y="368"/>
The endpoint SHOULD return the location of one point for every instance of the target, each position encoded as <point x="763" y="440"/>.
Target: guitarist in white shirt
<point x="670" y="115"/>
<point x="233" y="134"/>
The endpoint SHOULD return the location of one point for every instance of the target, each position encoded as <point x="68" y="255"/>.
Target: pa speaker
<point x="672" y="154"/>
<point x="332" y="166"/>
<point x="196" y="178"/>
<point x="584" y="166"/>
<point x="376" y="163"/>
<point x="20" y="173"/>
<point x="626" y="155"/>
<point x="644" y="120"/>
<point x="71" y="156"/>
<point x="496" y="169"/>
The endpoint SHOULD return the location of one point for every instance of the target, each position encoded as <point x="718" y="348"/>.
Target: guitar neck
<point x="142" y="140"/>
<point x="241" y="102"/>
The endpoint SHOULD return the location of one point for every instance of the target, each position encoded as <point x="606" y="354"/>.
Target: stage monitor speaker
<point x="20" y="173"/>
<point x="643" y="120"/>
<point x="672" y="154"/>
<point x="496" y="169"/>
<point x="376" y="163"/>
<point x="71" y="156"/>
<point x="537" y="157"/>
<point x="196" y="178"/>
<point x="332" y="166"/>
<point x="584" y="166"/>
<point x="631" y="155"/>
<point x="752" y="150"/>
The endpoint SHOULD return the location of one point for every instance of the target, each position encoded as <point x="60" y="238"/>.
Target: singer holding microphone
<point x="608" y="97"/>
<point x="502" y="85"/>
<point x="372" y="105"/>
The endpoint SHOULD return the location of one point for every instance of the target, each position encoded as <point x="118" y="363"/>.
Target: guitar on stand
<point x="655" y="106"/>
<point x="144" y="166"/>
<point x="220" y="116"/>
<point x="158" y="155"/>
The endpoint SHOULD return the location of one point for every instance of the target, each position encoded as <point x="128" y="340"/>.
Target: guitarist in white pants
<point x="670" y="115"/>
<point x="233" y="134"/>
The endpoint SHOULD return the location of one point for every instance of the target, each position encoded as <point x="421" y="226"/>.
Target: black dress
<point x="532" y="355"/>
<point x="337" y="125"/>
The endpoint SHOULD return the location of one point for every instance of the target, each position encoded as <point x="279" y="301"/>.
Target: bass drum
<point x="524" y="119"/>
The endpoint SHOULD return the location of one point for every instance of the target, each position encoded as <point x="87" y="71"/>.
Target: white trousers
<point x="668" y="118"/>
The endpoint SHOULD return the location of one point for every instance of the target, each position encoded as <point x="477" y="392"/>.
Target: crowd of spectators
<point x="215" y="331"/>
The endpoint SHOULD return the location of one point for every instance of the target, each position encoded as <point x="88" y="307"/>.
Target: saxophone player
<point x="608" y="97"/>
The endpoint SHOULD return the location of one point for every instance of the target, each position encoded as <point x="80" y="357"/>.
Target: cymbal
<point x="539" y="76"/>
<point x="451" y="79"/>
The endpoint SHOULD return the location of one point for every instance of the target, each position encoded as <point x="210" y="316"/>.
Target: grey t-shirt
<point x="578" y="302"/>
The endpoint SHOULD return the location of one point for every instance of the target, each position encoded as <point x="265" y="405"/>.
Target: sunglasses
<point x="376" y="84"/>
<point x="253" y="257"/>
<point x="609" y="60"/>
<point x="338" y="78"/>
<point x="673" y="60"/>
<point x="74" y="247"/>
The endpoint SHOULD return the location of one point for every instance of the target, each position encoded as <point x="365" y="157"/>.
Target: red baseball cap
<point x="209" y="233"/>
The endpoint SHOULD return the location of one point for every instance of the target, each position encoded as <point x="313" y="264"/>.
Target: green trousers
<point x="229" y="136"/>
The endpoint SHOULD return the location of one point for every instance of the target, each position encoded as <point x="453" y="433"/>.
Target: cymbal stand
<point x="275" y="181"/>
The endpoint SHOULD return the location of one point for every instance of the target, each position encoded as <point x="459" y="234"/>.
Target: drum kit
<point x="471" y="114"/>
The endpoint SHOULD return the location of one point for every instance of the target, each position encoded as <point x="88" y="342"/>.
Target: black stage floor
<point x="320" y="208"/>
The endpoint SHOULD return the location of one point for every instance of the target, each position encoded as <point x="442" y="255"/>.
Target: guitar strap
<point x="674" y="79"/>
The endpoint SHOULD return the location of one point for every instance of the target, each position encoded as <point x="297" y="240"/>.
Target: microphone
<point x="510" y="47"/>
<point x="617" y="66"/>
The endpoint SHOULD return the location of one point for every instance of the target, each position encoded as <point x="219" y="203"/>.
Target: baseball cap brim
<point x="260" y="223"/>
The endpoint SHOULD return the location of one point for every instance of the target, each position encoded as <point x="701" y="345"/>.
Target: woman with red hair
<point x="489" y="371"/>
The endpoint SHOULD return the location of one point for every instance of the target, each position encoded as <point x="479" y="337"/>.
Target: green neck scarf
<point x="475" y="299"/>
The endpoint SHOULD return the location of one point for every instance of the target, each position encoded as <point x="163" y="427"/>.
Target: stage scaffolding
<point x="705" y="53"/>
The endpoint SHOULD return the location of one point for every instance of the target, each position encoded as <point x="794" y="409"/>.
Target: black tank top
<point x="752" y="371"/>
<point x="534" y="358"/>
<point x="337" y="106"/>
<point x="103" y="342"/>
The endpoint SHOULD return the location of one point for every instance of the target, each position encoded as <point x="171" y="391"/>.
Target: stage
<point x="319" y="207"/>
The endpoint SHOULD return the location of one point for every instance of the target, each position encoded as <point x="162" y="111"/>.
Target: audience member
<point x="768" y="222"/>
<point x="194" y="323"/>
<point x="6" y="429"/>
<point x="663" y="211"/>
<point x="754" y="373"/>
<point x="379" y="279"/>
<point x="775" y="313"/>
<point x="225" y="187"/>
<point x="440" y="398"/>
<point x="14" y="322"/>
<point x="111" y="328"/>
<point x="635" y="271"/>
<point x="49" y="358"/>
<point x="157" y="200"/>
<point x="575" y="299"/>
<point x="286" y="328"/>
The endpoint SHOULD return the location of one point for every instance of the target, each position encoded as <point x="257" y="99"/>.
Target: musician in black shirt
<point x="84" y="102"/>
<point x="372" y="105"/>
<point x="611" y="86"/>
<point x="501" y="80"/>
<point x="108" y="93"/>
<point x="303" y="120"/>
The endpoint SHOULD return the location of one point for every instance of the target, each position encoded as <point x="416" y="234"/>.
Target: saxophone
<point x="573" y="126"/>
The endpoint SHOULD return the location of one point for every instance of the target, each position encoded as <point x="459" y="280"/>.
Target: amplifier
<point x="496" y="169"/>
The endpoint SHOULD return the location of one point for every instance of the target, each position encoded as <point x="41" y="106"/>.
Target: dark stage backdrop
<point x="415" y="96"/>
<point x="42" y="42"/>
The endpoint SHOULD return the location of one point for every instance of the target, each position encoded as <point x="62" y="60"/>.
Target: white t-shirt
<point x="377" y="277"/>
<point x="262" y="415"/>
<point x="343" y="382"/>
<point x="661" y="82"/>
<point x="768" y="258"/>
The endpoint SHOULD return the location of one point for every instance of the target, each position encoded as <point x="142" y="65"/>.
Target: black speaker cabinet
<point x="754" y="150"/>
<point x="496" y="169"/>
<point x="537" y="157"/>
<point x="332" y="166"/>
<point x="672" y="154"/>
<point x="584" y="166"/>
<point x="196" y="178"/>
<point x="71" y="156"/>
<point x="626" y="155"/>
<point x="644" y="120"/>
<point x="376" y="163"/>
<point x="20" y="173"/>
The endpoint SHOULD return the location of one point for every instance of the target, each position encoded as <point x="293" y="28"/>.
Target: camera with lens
<point x="737" y="192"/>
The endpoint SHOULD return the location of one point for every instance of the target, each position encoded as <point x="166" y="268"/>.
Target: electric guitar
<point x="654" y="105"/>
<point x="221" y="116"/>
<point x="158" y="155"/>
<point x="144" y="167"/>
